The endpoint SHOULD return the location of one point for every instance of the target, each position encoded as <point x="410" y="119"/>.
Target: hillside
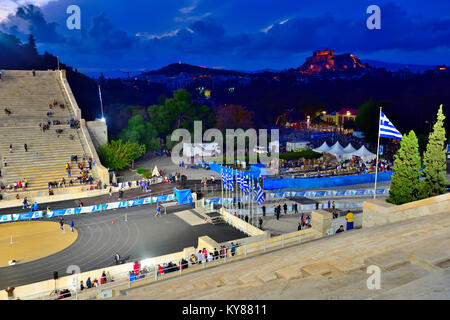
<point x="178" y="68"/>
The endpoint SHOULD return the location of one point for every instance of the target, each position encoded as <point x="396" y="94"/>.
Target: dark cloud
<point x="38" y="26"/>
<point x="215" y="39"/>
<point x="107" y="35"/>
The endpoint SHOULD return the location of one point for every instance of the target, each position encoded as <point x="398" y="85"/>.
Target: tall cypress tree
<point x="434" y="160"/>
<point x="406" y="177"/>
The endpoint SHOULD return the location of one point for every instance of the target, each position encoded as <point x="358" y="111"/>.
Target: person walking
<point x="5" y="162"/>
<point x="263" y="210"/>
<point x="329" y="204"/>
<point x="89" y="283"/>
<point x="295" y="208"/>
<point x="10" y="292"/>
<point x="71" y="225"/>
<point x="61" y="223"/>
<point x="260" y="222"/>
<point x="25" y="147"/>
<point x="285" y="208"/>
<point x="349" y="218"/>
<point x="158" y="211"/>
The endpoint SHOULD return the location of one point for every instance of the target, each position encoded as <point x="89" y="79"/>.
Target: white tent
<point x="323" y="148"/>
<point x="350" y="149"/>
<point x="365" y="154"/>
<point x="155" y="172"/>
<point x="338" y="151"/>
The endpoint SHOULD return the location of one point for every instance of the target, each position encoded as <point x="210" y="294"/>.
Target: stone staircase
<point x="28" y="98"/>
<point x="212" y="216"/>
<point x="413" y="255"/>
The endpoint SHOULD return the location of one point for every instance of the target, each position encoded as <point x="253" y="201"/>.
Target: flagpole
<point x="251" y="199"/>
<point x="378" y="152"/>
<point x="221" y="175"/>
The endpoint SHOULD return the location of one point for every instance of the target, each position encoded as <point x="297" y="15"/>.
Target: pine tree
<point x="434" y="160"/>
<point x="406" y="177"/>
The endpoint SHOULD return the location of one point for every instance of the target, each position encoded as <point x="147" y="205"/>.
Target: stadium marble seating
<point x="28" y="98"/>
<point x="414" y="263"/>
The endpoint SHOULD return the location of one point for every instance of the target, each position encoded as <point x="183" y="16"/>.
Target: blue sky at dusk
<point x="234" y="34"/>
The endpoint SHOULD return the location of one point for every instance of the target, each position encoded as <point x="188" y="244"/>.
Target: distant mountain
<point x="394" y="67"/>
<point x="177" y="68"/>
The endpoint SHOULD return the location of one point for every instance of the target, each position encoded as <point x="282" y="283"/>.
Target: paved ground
<point x="289" y="222"/>
<point x="143" y="235"/>
<point x="165" y="163"/>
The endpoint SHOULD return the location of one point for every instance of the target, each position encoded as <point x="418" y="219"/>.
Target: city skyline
<point x="250" y="36"/>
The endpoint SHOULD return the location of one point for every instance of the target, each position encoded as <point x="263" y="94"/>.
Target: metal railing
<point x="150" y="274"/>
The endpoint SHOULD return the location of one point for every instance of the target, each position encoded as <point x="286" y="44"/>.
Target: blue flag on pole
<point x="387" y="129"/>
<point x="224" y="181"/>
<point x="260" y="198"/>
<point x="244" y="186"/>
<point x="230" y="181"/>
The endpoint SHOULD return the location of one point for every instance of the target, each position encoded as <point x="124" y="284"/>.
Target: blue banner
<point x="5" y="218"/>
<point x="28" y="215"/>
<point x="326" y="182"/>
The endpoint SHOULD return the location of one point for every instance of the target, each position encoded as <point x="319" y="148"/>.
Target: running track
<point x="143" y="235"/>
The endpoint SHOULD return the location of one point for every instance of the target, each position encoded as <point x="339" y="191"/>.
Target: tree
<point x="367" y="120"/>
<point x="434" y="160"/>
<point x="118" y="154"/>
<point x="405" y="183"/>
<point x="178" y="112"/>
<point x="140" y="131"/>
<point x="233" y="117"/>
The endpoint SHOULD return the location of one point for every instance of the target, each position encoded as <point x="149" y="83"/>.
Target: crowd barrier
<point x="326" y="182"/>
<point x="307" y="194"/>
<point x="306" y="183"/>
<point x="89" y="209"/>
<point x="218" y="168"/>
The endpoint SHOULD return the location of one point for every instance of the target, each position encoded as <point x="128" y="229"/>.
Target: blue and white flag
<point x="260" y="198"/>
<point x="254" y="193"/>
<point x="224" y="181"/>
<point x="244" y="185"/>
<point x="230" y="181"/>
<point x="239" y="180"/>
<point x="387" y="129"/>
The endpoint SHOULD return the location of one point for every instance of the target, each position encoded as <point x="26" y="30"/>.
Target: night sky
<point x="247" y="35"/>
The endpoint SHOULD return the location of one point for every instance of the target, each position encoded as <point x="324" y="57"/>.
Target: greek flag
<point x="230" y="181"/>
<point x="387" y="129"/>
<point x="244" y="185"/>
<point x="254" y="192"/>
<point x="239" y="180"/>
<point x="260" y="198"/>
<point x="224" y="181"/>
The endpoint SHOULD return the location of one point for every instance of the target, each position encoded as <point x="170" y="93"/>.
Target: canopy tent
<point x="155" y="172"/>
<point x="323" y="148"/>
<point x="365" y="154"/>
<point x="349" y="149"/>
<point x="338" y="151"/>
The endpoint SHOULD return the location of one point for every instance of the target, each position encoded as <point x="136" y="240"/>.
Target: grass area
<point x="144" y="172"/>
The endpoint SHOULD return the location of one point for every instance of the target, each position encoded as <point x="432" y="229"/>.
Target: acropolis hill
<point x="326" y="60"/>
